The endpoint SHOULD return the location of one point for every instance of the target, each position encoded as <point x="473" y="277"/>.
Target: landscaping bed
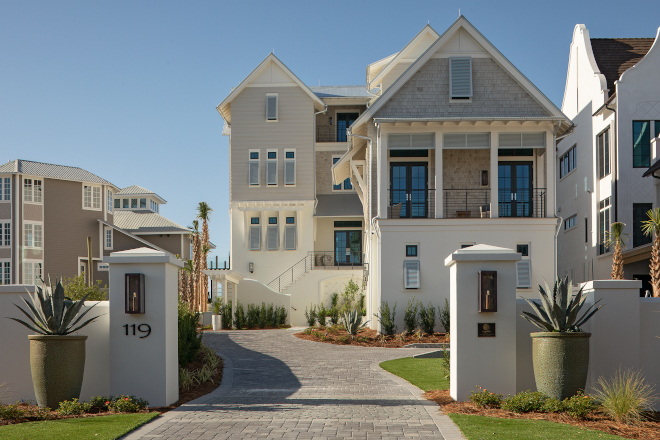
<point x="368" y="338"/>
<point x="646" y="430"/>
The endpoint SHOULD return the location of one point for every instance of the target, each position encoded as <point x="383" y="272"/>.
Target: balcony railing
<point x="522" y="203"/>
<point x="330" y="133"/>
<point x="466" y="203"/>
<point x="339" y="259"/>
<point x="411" y="203"/>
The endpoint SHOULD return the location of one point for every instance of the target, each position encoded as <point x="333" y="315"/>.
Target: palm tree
<point x="204" y="213"/>
<point x="616" y="238"/>
<point x="196" y="257"/>
<point x="651" y="227"/>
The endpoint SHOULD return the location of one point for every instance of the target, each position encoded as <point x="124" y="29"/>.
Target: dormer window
<point x="143" y="203"/>
<point x="460" y="78"/>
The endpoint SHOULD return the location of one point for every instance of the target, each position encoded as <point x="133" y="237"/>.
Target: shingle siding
<point x="495" y="93"/>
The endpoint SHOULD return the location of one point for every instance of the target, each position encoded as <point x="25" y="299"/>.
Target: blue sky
<point x="128" y="89"/>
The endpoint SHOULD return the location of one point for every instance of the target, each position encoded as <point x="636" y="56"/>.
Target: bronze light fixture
<point x="487" y="291"/>
<point x="134" y="293"/>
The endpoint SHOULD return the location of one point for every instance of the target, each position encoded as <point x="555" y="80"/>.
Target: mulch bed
<point x="647" y="430"/>
<point x="369" y="338"/>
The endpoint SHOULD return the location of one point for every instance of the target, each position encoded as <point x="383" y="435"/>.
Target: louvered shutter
<point x="255" y="238"/>
<point x="254" y="173"/>
<point x="289" y="172"/>
<point x="272" y="238"/>
<point x="271" y="172"/>
<point x="524" y="274"/>
<point x="460" y="77"/>
<point x="533" y="140"/>
<point x="411" y="274"/>
<point x="271" y="107"/>
<point x="290" y="238"/>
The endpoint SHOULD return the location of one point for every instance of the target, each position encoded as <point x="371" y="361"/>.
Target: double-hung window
<point x="32" y="272"/>
<point x="271" y="107"/>
<point x="290" y="234"/>
<point x="346" y="184"/>
<point x="5" y="234"/>
<point x="603" y="146"/>
<point x="255" y="234"/>
<point x="109" y="200"/>
<point x="5" y="272"/>
<point x="253" y="168"/>
<point x="460" y="77"/>
<point x="92" y="197"/>
<point x="107" y="239"/>
<point x="32" y="235"/>
<point x="272" y="235"/>
<point x="289" y="167"/>
<point x="32" y="190"/>
<point x="271" y="167"/>
<point x="567" y="162"/>
<point x="5" y="189"/>
<point x="603" y="225"/>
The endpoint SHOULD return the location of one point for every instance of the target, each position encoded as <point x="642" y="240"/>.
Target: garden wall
<point x="254" y="292"/>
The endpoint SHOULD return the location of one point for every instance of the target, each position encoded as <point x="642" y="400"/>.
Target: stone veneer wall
<point x="324" y="172"/>
<point x="495" y="93"/>
<point x="462" y="168"/>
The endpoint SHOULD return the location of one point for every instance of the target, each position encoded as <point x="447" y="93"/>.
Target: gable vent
<point x="460" y="77"/>
<point x="271" y="107"/>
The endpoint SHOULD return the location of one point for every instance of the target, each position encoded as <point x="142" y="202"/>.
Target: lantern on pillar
<point x="134" y="293"/>
<point x="487" y="291"/>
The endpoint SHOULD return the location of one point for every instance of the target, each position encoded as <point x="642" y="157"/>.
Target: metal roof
<point x="49" y="170"/>
<point x="139" y="222"/>
<point x="339" y="205"/>
<point x="341" y="91"/>
<point x="134" y="189"/>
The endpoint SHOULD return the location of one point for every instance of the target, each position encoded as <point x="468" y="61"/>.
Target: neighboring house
<point x="48" y="211"/>
<point x="444" y="148"/>
<point x="612" y="95"/>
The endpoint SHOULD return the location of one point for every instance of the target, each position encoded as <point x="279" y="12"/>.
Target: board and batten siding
<point x="294" y="128"/>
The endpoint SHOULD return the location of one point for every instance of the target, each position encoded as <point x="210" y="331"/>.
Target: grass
<point x="491" y="428"/>
<point x="427" y="374"/>
<point x="98" y="428"/>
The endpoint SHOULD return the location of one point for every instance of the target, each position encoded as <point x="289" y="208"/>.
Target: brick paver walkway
<point x="278" y="386"/>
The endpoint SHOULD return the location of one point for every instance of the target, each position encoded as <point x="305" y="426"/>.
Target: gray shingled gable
<point x="50" y="170"/>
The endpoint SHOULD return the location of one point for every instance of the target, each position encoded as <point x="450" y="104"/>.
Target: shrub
<point x="73" y="407"/>
<point x="310" y="315"/>
<point x="11" y="412"/>
<point x="361" y="306"/>
<point x="76" y="288"/>
<point x="189" y="340"/>
<point x="205" y="374"/>
<point x="386" y="319"/>
<point x="269" y="315"/>
<point x="227" y="319"/>
<point x="281" y="316"/>
<point x="625" y="396"/>
<point x="445" y="315"/>
<point x="252" y="316"/>
<point x="579" y="406"/>
<point x="427" y="318"/>
<point x="485" y="399"/>
<point x="239" y="316"/>
<point x="321" y="313"/>
<point x="348" y="297"/>
<point x="553" y="405"/>
<point x="98" y="403"/>
<point x="410" y="316"/>
<point x="127" y="404"/>
<point x="334" y="315"/>
<point x="524" y="402"/>
<point x="446" y="362"/>
<point x="334" y="300"/>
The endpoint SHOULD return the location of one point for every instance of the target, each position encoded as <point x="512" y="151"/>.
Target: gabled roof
<point x="140" y="222"/>
<point x="375" y="68"/>
<point x="616" y="55"/>
<point x="340" y="91"/>
<point x="62" y="172"/>
<point x="497" y="56"/>
<point x="426" y="30"/>
<point x="135" y="190"/>
<point x="224" y="107"/>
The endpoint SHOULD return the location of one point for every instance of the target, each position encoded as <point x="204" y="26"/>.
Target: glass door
<point x="344" y="120"/>
<point x="409" y="190"/>
<point x="514" y="181"/>
<point x="348" y="248"/>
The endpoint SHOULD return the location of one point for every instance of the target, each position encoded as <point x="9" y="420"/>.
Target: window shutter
<point x="411" y="274"/>
<point x="289" y="172"/>
<point x="524" y="274"/>
<point x="460" y="77"/>
<point x="255" y="238"/>
<point x="290" y="238"/>
<point x="466" y="140"/>
<point x="271" y="107"/>
<point x="271" y="172"/>
<point x="254" y="173"/>
<point x="531" y="140"/>
<point x="272" y="238"/>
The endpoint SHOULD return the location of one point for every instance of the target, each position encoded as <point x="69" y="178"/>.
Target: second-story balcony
<point x="411" y="203"/>
<point x="331" y="133"/>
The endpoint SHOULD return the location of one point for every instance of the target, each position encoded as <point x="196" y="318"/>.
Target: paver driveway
<point x="279" y="386"/>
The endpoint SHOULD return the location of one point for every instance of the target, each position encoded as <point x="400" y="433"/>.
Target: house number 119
<point x="142" y="328"/>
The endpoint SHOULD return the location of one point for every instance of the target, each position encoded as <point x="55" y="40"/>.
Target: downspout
<point x="316" y="201"/>
<point x="616" y="167"/>
<point x="561" y="219"/>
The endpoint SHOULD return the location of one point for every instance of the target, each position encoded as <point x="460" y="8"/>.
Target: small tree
<point x="617" y="239"/>
<point x="651" y="227"/>
<point x="76" y="288"/>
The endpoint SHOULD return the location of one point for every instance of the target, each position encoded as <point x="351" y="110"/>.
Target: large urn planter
<point x="58" y="365"/>
<point x="561" y="362"/>
<point x="216" y="320"/>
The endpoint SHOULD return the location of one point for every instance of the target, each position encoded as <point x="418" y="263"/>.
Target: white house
<point x="444" y="148"/>
<point x="612" y="95"/>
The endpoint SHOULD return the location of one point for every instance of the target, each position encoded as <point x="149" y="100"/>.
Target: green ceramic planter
<point x="561" y="362"/>
<point x="58" y="365"/>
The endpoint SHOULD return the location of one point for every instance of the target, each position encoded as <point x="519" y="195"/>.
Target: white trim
<point x="92" y="186"/>
<point x="3" y="232"/>
<point x="295" y="168"/>
<point x="258" y="162"/>
<point x="2" y="271"/>
<point x="33" y="185"/>
<point x="277" y="105"/>
<point x="105" y="239"/>
<point x="270" y="163"/>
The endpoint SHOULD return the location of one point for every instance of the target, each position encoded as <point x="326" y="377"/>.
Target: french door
<point x="409" y="190"/>
<point x="514" y="180"/>
<point x="344" y="120"/>
<point x="348" y="248"/>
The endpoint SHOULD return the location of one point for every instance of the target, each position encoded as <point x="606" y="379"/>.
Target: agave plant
<point x="352" y="321"/>
<point x="559" y="312"/>
<point x="52" y="314"/>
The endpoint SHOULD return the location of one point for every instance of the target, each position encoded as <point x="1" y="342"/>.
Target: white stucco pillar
<point x="550" y="175"/>
<point x="494" y="159"/>
<point x="483" y="344"/>
<point x="144" y="346"/>
<point x="383" y="174"/>
<point x="439" y="193"/>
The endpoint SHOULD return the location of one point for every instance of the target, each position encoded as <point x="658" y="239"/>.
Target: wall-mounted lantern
<point x="251" y="267"/>
<point x="487" y="291"/>
<point x="134" y="293"/>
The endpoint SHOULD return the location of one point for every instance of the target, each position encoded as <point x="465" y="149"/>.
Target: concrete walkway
<point x="278" y="386"/>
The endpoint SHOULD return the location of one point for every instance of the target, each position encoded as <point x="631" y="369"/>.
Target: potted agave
<point x="57" y="359"/>
<point x="560" y="351"/>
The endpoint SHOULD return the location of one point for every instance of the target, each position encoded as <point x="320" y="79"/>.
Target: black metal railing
<point x="289" y="276"/>
<point x="466" y="203"/>
<point x="330" y="133"/>
<point x="339" y="259"/>
<point x="522" y="203"/>
<point x="411" y="203"/>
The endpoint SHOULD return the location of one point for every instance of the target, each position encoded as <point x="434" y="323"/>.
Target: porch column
<point x="235" y="303"/>
<point x="439" y="196"/>
<point x="550" y="160"/>
<point x="494" y="146"/>
<point x="383" y="175"/>
<point x="224" y="291"/>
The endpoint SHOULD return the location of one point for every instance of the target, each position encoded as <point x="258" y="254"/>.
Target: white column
<point x="494" y="147"/>
<point x="439" y="193"/>
<point x="383" y="175"/>
<point x="550" y="175"/>
<point x="224" y="290"/>
<point x="235" y="303"/>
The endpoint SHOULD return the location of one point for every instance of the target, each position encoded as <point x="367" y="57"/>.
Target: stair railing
<point x="289" y="276"/>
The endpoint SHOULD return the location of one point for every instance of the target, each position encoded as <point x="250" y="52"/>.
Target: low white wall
<point x="15" y="348"/>
<point x="255" y="292"/>
<point x="524" y="365"/>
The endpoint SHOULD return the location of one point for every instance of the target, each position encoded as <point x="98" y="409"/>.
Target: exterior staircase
<point x="291" y="275"/>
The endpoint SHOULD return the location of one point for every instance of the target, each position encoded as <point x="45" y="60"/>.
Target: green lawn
<point x="98" y="428"/>
<point x="491" y="428"/>
<point x="427" y="374"/>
